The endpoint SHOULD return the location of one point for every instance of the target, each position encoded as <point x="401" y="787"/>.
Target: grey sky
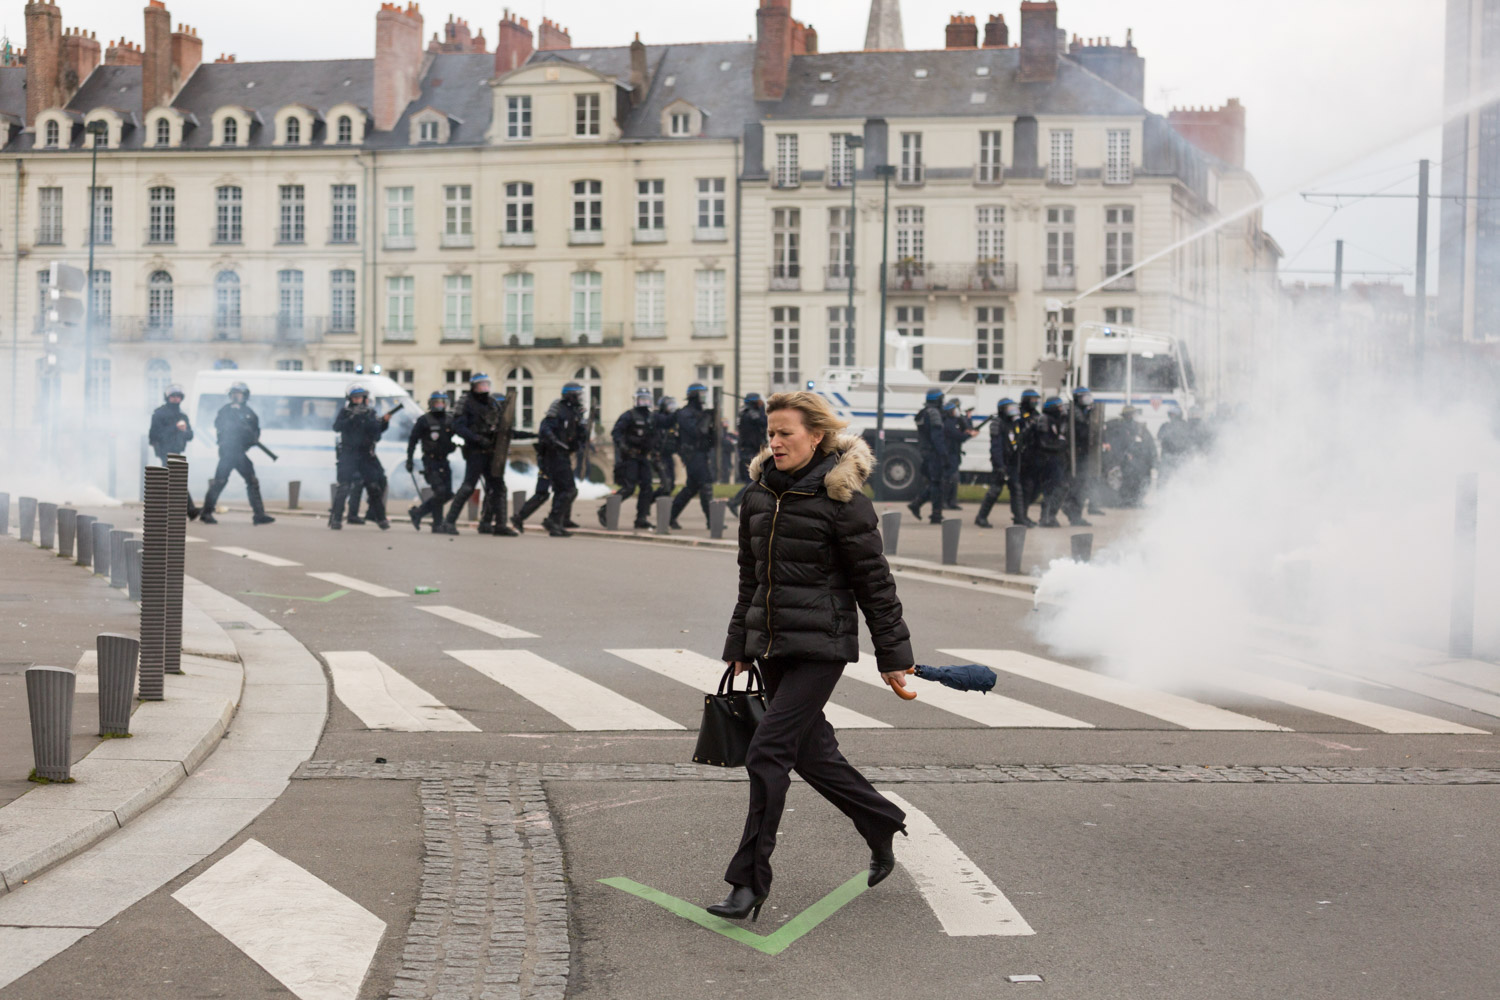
<point x="1341" y="94"/>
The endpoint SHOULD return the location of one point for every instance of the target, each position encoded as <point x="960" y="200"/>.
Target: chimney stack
<point x="80" y="54"/>
<point x="187" y="53"/>
<point x="223" y="58"/>
<point x="773" y="48"/>
<point x="398" y="61"/>
<point x="996" y="34"/>
<point x="123" y="53"/>
<point x="512" y="43"/>
<point x="456" y="37"/>
<point x="1039" y="45"/>
<point x="553" y="36"/>
<point x="1120" y="65"/>
<point x="156" y="67"/>
<point x="963" y="32"/>
<point x="43" y="58"/>
<point x="638" y="78"/>
<point x="1217" y="131"/>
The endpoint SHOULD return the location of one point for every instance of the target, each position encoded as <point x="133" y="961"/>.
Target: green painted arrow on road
<point x="292" y="597"/>
<point x="770" y="944"/>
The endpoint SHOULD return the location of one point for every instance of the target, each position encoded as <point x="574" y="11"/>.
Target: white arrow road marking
<point x="960" y="895"/>
<point x="315" y="940"/>
<point x="497" y="629"/>
<point x="994" y="710"/>
<point x="251" y="554"/>
<point x="577" y="701"/>
<point x="384" y="699"/>
<point x="350" y="583"/>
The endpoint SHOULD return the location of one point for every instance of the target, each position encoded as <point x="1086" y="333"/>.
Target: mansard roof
<point x="456" y="84"/>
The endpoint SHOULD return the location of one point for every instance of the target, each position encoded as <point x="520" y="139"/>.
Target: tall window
<point x="1060" y="244"/>
<point x="911" y="236"/>
<point x="53" y="134"/>
<point x="293" y="227"/>
<point x="709" y="303"/>
<point x="158" y="377"/>
<point x="586" y="114"/>
<point x="520" y="388"/>
<point x="840" y="246"/>
<point x="98" y="382"/>
<point x="1119" y="239"/>
<point x="103" y="298"/>
<point x="518" y="118"/>
<point x="400" y="307"/>
<point x="710" y="208"/>
<point x="519" y="304"/>
<point x="159" y="301"/>
<point x="289" y="301"/>
<point x="786" y="239"/>
<point x="1060" y="334"/>
<point x="294" y="131"/>
<point x="228" y="215"/>
<point x="49" y="215"/>
<point x="650" y="304"/>
<point x="345" y="130"/>
<point x="231" y="131"/>
<point x="786" y="348"/>
<point x="840" y="160"/>
<point x="911" y="321"/>
<point x="104" y="215"/>
<point x="990" y="168"/>
<point x="650" y="206"/>
<point x="406" y="378"/>
<point x="1117" y="157"/>
<point x="712" y="377"/>
<point x="289" y="364"/>
<point x="341" y="365"/>
<point x="345" y="227"/>
<point x="427" y="130"/>
<point x="989" y="222"/>
<point x="989" y="338"/>
<point x="458" y="210"/>
<point x="400" y="217"/>
<point x="681" y="124"/>
<point x="788" y="171"/>
<point x="593" y="387"/>
<point x="588" y="302"/>
<point x="163" y="132"/>
<point x="520" y="211"/>
<point x="458" y="307"/>
<point x="1119" y="315"/>
<point x="911" y="171"/>
<point x="341" y="301"/>
<point x="1060" y="165"/>
<point x="588" y="206"/>
<point x="456" y="381"/>
<point x="652" y="378"/>
<point x="227" y="304"/>
<point x="840" y="336"/>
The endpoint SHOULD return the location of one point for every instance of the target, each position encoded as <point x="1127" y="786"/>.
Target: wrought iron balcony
<point x="786" y="277"/>
<point x="216" y="329"/>
<point x="551" y="336"/>
<point x="951" y="279"/>
<point x="1059" y="278"/>
<point x="1123" y="283"/>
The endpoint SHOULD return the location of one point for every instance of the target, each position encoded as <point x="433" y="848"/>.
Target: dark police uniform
<point x="932" y="444"/>
<point x="634" y="437"/>
<point x="360" y="429"/>
<point x="666" y="450"/>
<point x="433" y="431"/>
<point x="695" y="432"/>
<point x="562" y="432"/>
<point x="237" y="428"/>
<point x="1005" y="462"/>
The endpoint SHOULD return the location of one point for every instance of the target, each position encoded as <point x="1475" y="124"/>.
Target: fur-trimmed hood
<point x="847" y="477"/>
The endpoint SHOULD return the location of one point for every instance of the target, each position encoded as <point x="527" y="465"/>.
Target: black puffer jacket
<point x="808" y="559"/>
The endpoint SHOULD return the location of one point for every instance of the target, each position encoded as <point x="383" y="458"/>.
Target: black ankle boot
<point x="741" y="902"/>
<point x="883" y="859"/>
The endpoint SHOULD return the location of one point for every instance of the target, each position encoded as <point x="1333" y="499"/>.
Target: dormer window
<point x="53" y="134"/>
<point x="682" y="123"/>
<point x="428" y="131"/>
<point x="231" y="132"/>
<point x="294" y="131"/>
<point x="163" y="132"/>
<point x="586" y="114"/>
<point x="346" y="130"/>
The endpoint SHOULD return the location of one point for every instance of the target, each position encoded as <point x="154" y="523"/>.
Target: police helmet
<point x="437" y="396"/>
<point x="667" y="404"/>
<point x="1082" y="396"/>
<point x="1007" y="407"/>
<point x="933" y="395"/>
<point x="239" y="387"/>
<point x="1052" y="403"/>
<point x="173" y="390"/>
<point x="572" y="392"/>
<point x="752" y="397"/>
<point x="1129" y="411"/>
<point x="643" y="396"/>
<point x="696" y="389"/>
<point x="1030" y="394"/>
<point x="477" y="378"/>
<point x="952" y="404"/>
<point x="355" y="389"/>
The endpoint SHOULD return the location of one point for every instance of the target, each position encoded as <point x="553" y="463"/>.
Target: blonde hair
<point x="817" y="416"/>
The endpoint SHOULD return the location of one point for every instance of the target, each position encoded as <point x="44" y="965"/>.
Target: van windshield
<point x="1157" y="373"/>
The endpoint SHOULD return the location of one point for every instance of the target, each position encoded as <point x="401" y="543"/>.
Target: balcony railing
<point x="650" y="235"/>
<point x="706" y="330"/>
<point x="710" y="234"/>
<point x="103" y="236"/>
<point x="226" y="235"/>
<point x="648" y="331"/>
<point x="551" y="336"/>
<point x="989" y="173"/>
<point x="458" y="334"/>
<point x="1123" y="283"/>
<point x="399" y="334"/>
<point x="527" y="239"/>
<point x="1059" y="278"/>
<point x="786" y="277"/>
<point x="953" y="279"/>
<point x="399" y="241"/>
<point x="216" y="329"/>
<point x="458" y="241"/>
<point x="49" y="236"/>
<point x="291" y="236"/>
<point x="343" y="234"/>
<point x="161" y="235"/>
<point x="836" y="277"/>
<point x="585" y="237"/>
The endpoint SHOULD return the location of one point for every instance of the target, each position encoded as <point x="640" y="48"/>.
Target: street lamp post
<point x="852" y="143"/>
<point x="886" y="171"/>
<point x="98" y="129"/>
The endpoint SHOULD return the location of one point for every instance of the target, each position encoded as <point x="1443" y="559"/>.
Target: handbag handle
<point x="754" y="683"/>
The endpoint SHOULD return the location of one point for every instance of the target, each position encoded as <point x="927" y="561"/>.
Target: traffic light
<point x="66" y="287"/>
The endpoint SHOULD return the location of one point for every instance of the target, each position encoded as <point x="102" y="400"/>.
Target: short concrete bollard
<point x="133" y="568"/>
<point x="612" y="512"/>
<point x="1015" y="546"/>
<point x="46" y="523"/>
<point x="49" y="697"/>
<point x="890" y="531"/>
<point x="101" y="532"/>
<point x="294" y="495"/>
<point x="4" y="513"/>
<point x="517" y="501"/>
<point x="117" y="567"/>
<point x="663" y="515"/>
<point x="473" y="506"/>
<point x="1465" y="567"/>
<point x="28" y="518"/>
<point x="951" y="528"/>
<point x="1083" y="547"/>
<point x="85" y="552"/>
<point x="118" y="657"/>
<point x="67" y="531"/>
<point x="718" y="511"/>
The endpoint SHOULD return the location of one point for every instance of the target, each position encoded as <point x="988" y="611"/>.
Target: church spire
<point x="884" y="31"/>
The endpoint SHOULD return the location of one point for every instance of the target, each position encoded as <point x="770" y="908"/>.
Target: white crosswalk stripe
<point x="579" y="702"/>
<point x="1158" y="704"/>
<point x="316" y="941"/>
<point x="384" y="699"/>
<point x="959" y="893"/>
<point x="1382" y="718"/>
<point x="350" y="583"/>
<point x="703" y="672"/>
<point x="251" y="554"/>
<point x="993" y="710"/>
<point x="485" y="625"/>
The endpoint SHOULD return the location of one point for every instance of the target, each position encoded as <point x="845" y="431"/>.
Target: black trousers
<point x="700" y="483"/>
<point x="476" y="471"/>
<point x="633" y="474"/>
<point x="794" y="735"/>
<point x="558" y="468"/>
<point x="439" y="476"/>
<point x="161" y="458"/>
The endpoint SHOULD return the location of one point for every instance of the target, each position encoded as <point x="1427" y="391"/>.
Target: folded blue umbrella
<point x="962" y="677"/>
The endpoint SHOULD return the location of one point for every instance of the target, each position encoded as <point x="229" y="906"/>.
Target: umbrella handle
<point x="903" y="693"/>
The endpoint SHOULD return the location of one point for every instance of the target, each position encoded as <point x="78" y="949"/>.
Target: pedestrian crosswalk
<point x="351" y="583"/>
<point x="253" y="556"/>
<point x="579" y="702"/>
<point x="384" y="699"/>
<point x="479" y="622"/>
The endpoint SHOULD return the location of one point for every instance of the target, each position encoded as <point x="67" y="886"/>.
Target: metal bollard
<point x="49" y="697"/>
<point x="718" y="510"/>
<point x="67" y="531"/>
<point x="612" y="512"/>
<point x="177" y="480"/>
<point x="46" y="521"/>
<point x="1083" y="547"/>
<point x="28" y="518"/>
<point x="4" y="513"/>
<point x="117" y="568"/>
<point x="890" y="531"/>
<point x="951" y="527"/>
<point x="1015" y="545"/>
<point x="1465" y="564"/>
<point x="154" y="545"/>
<point x="663" y="515"/>
<point x="85" y="551"/>
<point x="473" y="506"/>
<point x="133" y="568"/>
<point x="101" y="547"/>
<point x="333" y="492"/>
<point x="293" y="494"/>
<point x="118" y="658"/>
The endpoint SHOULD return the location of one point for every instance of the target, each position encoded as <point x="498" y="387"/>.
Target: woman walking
<point x="809" y="555"/>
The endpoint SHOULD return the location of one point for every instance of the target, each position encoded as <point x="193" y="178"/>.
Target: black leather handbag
<point x="729" y="720"/>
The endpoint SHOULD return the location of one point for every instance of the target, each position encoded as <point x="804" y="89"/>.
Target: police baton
<point x="274" y="457"/>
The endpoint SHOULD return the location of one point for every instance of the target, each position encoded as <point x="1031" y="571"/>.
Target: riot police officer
<point x="1047" y="452"/>
<point x="1005" y="461"/>
<point x="171" y="431"/>
<point x="751" y="431"/>
<point x="695" y="436"/>
<point x="932" y="444"/>
<point x="360" y="429"/>
<point x="1031" y="404"/>
<point x="562" y="432"/>
<point x="1132" y="447"/>
<point x="1080" y="477"/>
<point x="956" y="430"/>
<point x="634" y="437"/>
<point x="665" y="457"/>
<point x="433" y="430"/>
<point x="237" y="428"/>
<point x="485" y="424"/>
